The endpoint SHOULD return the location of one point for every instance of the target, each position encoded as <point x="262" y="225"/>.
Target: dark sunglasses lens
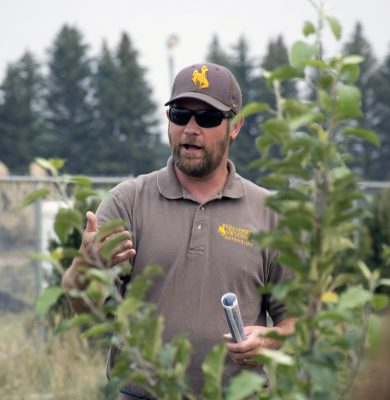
<point x="208" y="118"/>
<point x="204" y="118"/>
<point x="179" y="116"/>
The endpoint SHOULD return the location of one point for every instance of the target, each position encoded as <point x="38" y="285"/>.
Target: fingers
<point x="91" y="222"/>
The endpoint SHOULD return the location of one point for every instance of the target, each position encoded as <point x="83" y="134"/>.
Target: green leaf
<point x="277" y="128"/>
<point x="47" y="298"/>
<point x="52" y="165"/>
<point x="84" y="194"/>
<point x="278" y="356"/>
<point x="286" y="72"/>
<point x="78" y="320"/>
<point x="34" y="196"/>
<point x="334" y="26"/>
<point x="243" y="385"/>
<point x="110" y="244"/>
<point x="81" y="180"/>
<point x="301" y="53"/>
<point x="326" y="81"/>
<point x="212" y="368"/>
<point x="308" y="28"/>
<point x="109" y="228"/>
<point x="316" y="64"/>
<point x="366" y="134"/>
<point x="348" y="101"/>
<point x="153" y="338"/>
<point x="379" y="302"/>
<point x="352" y="60"/>
<point x="384" y="282"/>
<point x="350" y="73"/>
<point x="97" y="330"/>
<point x="67" y="220"/>
<point x="355" y="296"/>
<point x="252" y="108"/>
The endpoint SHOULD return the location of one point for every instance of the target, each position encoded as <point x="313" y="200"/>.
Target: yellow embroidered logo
<point x="200" y="78"/>
<point x="236" y="235"/>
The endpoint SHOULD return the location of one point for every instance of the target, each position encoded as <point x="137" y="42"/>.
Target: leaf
<point x="109" y="228"/>
<point x="66" y="220"/>
<point x="355" y="59"/>
<point x="348" y="101"/>
<point x="334" y="26"/>
<point x="81" y="180"/>
<point x="355" y="296"/>
<point x="330" y="297"/>
<point x="252" y="108"/>
<point x="34" y="196"/>
<point x="97" y="330"/>
<point x="110" y="244"/>
<point x="276" y="127"/>
<point x="243" y="385"/>
<point x="212" y="368"/>
<point x="153" y="338"/>
<point x="286" y="72"/>
<point x="301" y="53"/>
<point x="47" y="298"/>
<point x="308" y="28"/>
<point x="379" y="302"/>
<point x="53" y="164"/>
<point x="78" y="320"/>
<point x="384" y="282"/>
<point x="350" y="73"/>
<point x="278" y="356"/>
<point x="366" y="134"/>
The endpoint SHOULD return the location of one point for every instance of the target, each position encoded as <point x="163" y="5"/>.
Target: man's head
<point x="210" y="83"/>
<point x="204" y="99"/>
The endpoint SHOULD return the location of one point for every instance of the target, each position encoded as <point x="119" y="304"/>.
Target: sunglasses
<point x="204" y="118"/>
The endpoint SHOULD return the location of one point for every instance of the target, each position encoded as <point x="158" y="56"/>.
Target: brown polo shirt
<point x="205" y="250"/>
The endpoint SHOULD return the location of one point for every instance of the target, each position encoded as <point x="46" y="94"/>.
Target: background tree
<point x="127" y="121"/>
<point x="243" y="151"/>
<point x="366" y="156"/>
<point x="69" y="107"/>
<point x="21" y="114"/>
<point x="380" y="120"/>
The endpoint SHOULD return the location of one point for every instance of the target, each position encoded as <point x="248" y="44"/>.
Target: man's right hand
<point x="91" y="246"/>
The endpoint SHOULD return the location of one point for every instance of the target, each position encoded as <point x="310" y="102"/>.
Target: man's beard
<point x="200" y="166"/>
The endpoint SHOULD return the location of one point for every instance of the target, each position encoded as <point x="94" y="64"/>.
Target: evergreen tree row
<point x="98" y="113"/>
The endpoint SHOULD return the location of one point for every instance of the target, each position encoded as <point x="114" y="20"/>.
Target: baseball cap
<point x="211" y="83"/>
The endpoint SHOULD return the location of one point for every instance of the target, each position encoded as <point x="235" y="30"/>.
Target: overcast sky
<point x="33" y="24"/>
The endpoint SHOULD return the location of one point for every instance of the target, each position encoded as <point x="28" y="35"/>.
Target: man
<point x="194" y="218"/>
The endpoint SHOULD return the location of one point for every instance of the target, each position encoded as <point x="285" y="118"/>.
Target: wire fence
<point x="27" y="231"/>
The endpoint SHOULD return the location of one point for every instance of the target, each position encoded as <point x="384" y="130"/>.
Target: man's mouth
<point x="191" y="147"/>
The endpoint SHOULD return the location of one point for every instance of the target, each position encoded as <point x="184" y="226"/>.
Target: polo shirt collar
<point x="169" y="186"/>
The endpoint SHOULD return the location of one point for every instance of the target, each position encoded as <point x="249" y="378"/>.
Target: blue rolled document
<point x="232" y="311"/>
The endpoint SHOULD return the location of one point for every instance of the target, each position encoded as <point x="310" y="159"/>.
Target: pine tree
<point x="243" y="150"/>
<point x="20" y="114"/>
<point x="217" y="55"/>
<point x="127" y="121"/>
<point x="70" y="111"/>
<point x="365" y="155"/>
<point x="380" y="119"/>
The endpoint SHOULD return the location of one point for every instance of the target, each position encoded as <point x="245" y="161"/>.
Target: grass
<point x="37" y="364"/>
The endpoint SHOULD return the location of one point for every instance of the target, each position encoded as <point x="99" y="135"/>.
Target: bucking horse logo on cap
<point x="200" y="77"/>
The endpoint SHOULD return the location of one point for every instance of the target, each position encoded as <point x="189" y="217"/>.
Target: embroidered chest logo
<point x="236" y="235"/>
<point x="199" y="78"/>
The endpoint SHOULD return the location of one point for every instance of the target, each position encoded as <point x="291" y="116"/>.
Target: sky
<point x="33" y="24"/>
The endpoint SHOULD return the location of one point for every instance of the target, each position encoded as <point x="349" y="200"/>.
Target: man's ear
<point x="235" y="129"/>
